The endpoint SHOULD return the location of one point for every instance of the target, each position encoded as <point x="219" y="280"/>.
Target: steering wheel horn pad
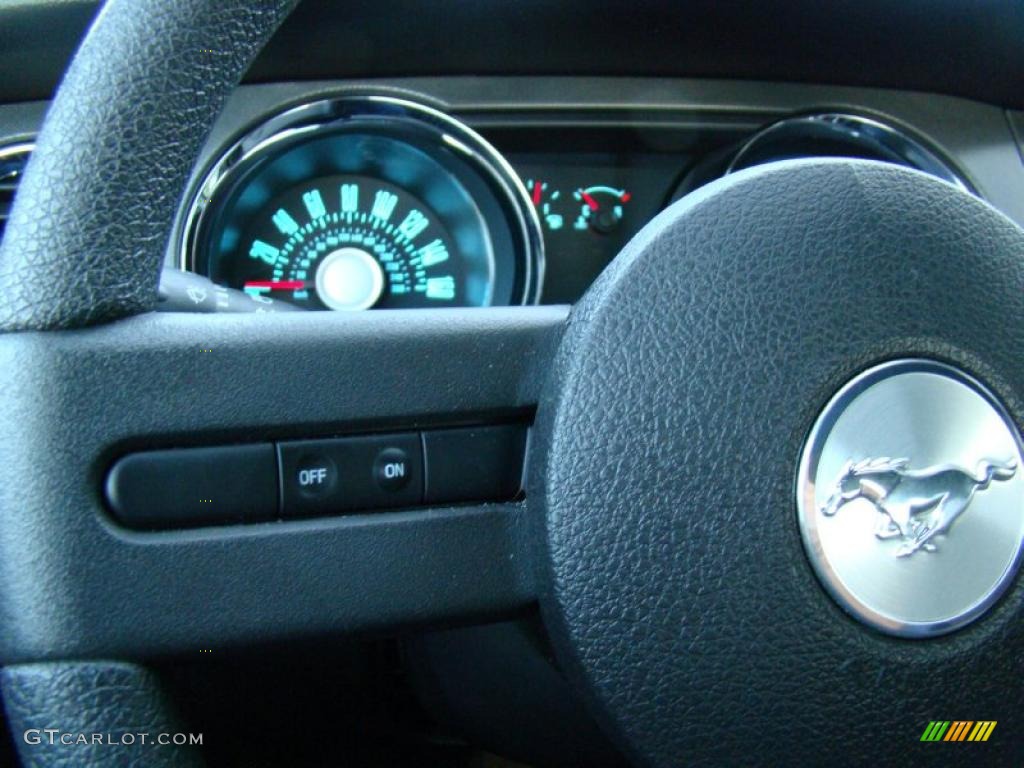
<point x="675" y="584"/>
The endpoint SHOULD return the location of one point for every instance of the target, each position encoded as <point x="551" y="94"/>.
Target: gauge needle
<point x="537" y="189"/>
<point x="589" y="200"/>
<point x="275" y="285"/>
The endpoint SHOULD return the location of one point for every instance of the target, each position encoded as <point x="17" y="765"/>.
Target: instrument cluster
<point x="374" y="201"/>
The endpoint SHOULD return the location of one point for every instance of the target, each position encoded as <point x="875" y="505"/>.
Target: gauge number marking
<point x="314" y="203"/>
<point x="383" y="205"/>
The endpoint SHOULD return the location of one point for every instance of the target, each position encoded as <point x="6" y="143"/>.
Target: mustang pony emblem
<point x="914" y="505"/>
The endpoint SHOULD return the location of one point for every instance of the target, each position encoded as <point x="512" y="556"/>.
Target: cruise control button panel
<point x="326" y="477"/>
<point x="224" y="485"/>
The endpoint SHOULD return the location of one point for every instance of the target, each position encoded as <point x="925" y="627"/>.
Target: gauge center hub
<point x="349" y="279"/>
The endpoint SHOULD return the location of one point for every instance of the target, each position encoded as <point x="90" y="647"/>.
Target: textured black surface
<point x="960" y="47"/>
<point x="88" y="229"/>
<point x="498" y="686"/>
<point x="102" y="697"/>
<point x="72" y="584"/>
<point x="673" y="577"/>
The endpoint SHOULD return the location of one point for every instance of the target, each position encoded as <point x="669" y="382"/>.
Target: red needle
<point x="536" y="193"/>
<point x="590" y="201"/>
<point x="277" y="285"/>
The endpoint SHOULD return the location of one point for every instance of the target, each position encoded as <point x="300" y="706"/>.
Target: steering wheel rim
<point x="114" y="153"/>
<point x="96" y="259"/>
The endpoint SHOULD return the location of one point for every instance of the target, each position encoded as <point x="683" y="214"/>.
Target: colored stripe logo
<point x="958" y="730"/>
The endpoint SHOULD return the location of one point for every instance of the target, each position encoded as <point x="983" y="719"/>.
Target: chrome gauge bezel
<point x="913" y="152"/>
<point x="15" y="150"/>
<point x="338" y="112"/>
<point x="15" y="157"/>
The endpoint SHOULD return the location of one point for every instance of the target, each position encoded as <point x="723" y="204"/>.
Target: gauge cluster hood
<point x="926" y="45"/>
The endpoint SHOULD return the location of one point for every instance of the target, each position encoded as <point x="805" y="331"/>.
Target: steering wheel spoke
<point x="83" y="398"/>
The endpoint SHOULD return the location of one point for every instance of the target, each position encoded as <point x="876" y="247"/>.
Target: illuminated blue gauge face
<point x="375" y="211"/>
<point x="352" y="243"/>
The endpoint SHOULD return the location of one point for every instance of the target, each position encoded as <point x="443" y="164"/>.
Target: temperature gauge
<point x="601" y="208"/>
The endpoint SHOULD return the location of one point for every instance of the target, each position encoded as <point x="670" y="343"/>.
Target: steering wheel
<point x="659" y="532"/>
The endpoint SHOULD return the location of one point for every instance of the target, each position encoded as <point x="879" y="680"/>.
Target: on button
<point x="391" y="470"/>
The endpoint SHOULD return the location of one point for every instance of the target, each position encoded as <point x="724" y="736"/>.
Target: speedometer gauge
<point x="366" y="202"/>
<point x="355" y="242"/>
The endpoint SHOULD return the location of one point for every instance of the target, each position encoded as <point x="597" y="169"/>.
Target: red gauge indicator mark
<point x="274" y="285"/>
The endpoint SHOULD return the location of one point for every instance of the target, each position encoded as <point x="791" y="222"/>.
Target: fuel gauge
<point x="601" y="208"/>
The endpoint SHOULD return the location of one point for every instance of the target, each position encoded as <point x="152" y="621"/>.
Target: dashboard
<point x="460" y="192"/>
<point x="555" y="175"/>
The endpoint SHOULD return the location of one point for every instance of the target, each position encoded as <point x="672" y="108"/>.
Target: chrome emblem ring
<point x="910" y="498"/>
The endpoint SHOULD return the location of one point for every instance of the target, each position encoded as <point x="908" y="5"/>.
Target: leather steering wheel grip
<point x="89" y="227"/>
<point x="85" y="243"/>
<point x="104" y="697"/>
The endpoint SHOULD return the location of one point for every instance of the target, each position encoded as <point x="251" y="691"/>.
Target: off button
<point x="315" y="476"/>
